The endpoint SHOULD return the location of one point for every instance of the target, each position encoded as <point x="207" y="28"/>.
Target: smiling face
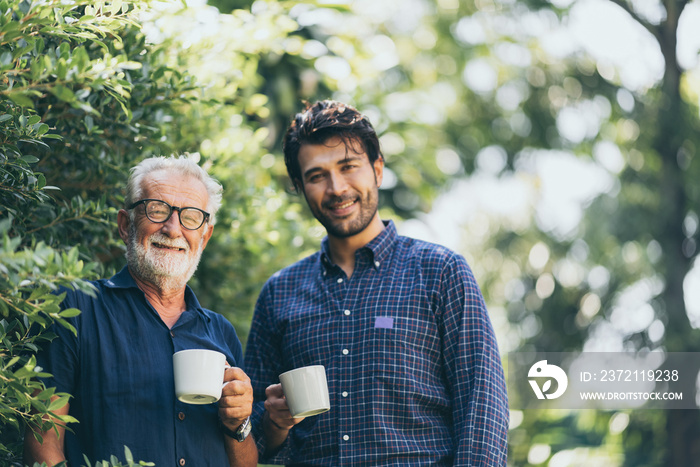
<point x="165" y="255"/>
<point x="342" y="188"/>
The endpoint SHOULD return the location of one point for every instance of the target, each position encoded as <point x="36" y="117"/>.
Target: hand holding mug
<point x="301" y="393"/>
<point x="277" y="409"/>
<point x="236" y="403"/>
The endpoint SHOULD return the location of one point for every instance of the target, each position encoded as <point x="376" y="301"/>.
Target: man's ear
<point x="298" y="185"/>
<point x="379" y="170"/>
<point x="123" y="222"/>
<point x="207" y="235"/>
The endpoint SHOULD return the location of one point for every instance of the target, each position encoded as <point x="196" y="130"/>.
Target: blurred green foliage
<point x="457" y="91"/>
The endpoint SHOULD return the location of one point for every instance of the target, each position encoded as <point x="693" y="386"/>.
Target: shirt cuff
<point x="282" y="454"/>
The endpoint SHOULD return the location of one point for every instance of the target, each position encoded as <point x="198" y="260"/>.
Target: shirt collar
<point x="379" y="248"/>
<point x="121" y="280"/>
<point x="124" y="280"/>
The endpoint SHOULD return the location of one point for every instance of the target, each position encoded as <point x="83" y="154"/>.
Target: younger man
<point x="400" y="325"/>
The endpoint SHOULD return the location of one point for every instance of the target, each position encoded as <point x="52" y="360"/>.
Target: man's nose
<point x="172" y="227"/>
<point x="336" y="184"/>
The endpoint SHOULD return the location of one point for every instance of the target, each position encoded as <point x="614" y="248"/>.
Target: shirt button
<point x="376" y="263"/>
<point x="181" y="415"/>
<point x="182" y="461"/>
<point x="347" y="312"/>
<point x="345" y="394"/>
<point x="340" y="281"/>
<point x="346" y="351"/>
<point x="346" y="437"/>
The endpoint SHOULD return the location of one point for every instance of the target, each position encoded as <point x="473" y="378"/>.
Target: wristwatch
<point x="241" y="432"/>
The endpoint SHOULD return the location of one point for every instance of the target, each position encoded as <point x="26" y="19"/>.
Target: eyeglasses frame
<point x="172" y="209"/>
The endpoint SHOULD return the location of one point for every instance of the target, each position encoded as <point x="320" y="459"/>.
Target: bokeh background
<point x="552" y="143"/>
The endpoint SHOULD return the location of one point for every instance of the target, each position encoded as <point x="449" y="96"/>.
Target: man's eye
<point x="159" y="211"/>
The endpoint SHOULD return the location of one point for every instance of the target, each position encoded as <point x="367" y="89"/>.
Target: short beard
<point x="345" y="229"/>
<point x="161" y="270"/>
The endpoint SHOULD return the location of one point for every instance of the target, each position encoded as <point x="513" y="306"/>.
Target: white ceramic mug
<point x="306" y="391"/>
<point x="199" y="375"/>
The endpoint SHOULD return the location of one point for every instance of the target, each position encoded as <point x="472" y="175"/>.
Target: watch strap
<point x="241" y="432"/>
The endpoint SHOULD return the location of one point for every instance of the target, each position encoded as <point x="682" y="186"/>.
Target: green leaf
<point x="127" y="455"/>
<point x="21" y="99"/>
<point x="11" y="362"/>
<point x="63" y="93"/>
<point x="39" y="45"/>
<point x="61" y="69"/>
<point x="30" y="159"/>
<point x="69" y="313"/>
<point x="37" y="70"/>
<point x="66" y="418"/>
<point x="81" y="59"/>
<point x="116" y="7"/>
<point x="38" y="405"/>
<point x="68" y="326"/>
<point x="46" y="393"/>
<point x="58" y="403"/>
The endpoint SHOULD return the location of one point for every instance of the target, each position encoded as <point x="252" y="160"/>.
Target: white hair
<point x="182" y="165"/>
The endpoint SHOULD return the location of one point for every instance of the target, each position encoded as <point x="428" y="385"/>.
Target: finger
<point x="274" y="390"/>
<point x="234" y="373"/>
<point x="282" y="419"/>
<point x="278" y="405"/>
<point x="237" y="388"/>
<point x="235" y="406"/>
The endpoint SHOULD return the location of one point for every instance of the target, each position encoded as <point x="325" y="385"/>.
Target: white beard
<point x="162" y="268"/>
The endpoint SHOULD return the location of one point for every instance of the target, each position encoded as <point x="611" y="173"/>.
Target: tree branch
<point x="648" y="26"/>
<point x="674" y="9"/>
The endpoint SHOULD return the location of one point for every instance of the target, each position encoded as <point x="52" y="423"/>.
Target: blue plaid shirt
<point x="413" y="368"/>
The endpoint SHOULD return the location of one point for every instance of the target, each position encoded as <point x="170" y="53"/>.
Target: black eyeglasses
<point x="159" y="212"/>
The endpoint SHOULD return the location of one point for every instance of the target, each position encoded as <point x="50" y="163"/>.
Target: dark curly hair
<point x="322" y="121"/>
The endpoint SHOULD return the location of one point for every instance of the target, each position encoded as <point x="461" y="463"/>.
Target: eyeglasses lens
<point x="191" y="218"/>
<point x="160" y="212"/>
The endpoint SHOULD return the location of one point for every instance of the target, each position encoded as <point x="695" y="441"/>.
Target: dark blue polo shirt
<point x="119" y="369"/>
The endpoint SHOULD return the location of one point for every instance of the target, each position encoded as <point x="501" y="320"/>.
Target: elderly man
<point x="414" y="372"/>
<point x="118" y="366"/>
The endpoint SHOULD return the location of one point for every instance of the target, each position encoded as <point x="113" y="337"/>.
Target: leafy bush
<point x="75" y="91"/>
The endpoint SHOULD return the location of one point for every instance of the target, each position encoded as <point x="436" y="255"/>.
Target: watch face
<point x="244" y="430"/>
